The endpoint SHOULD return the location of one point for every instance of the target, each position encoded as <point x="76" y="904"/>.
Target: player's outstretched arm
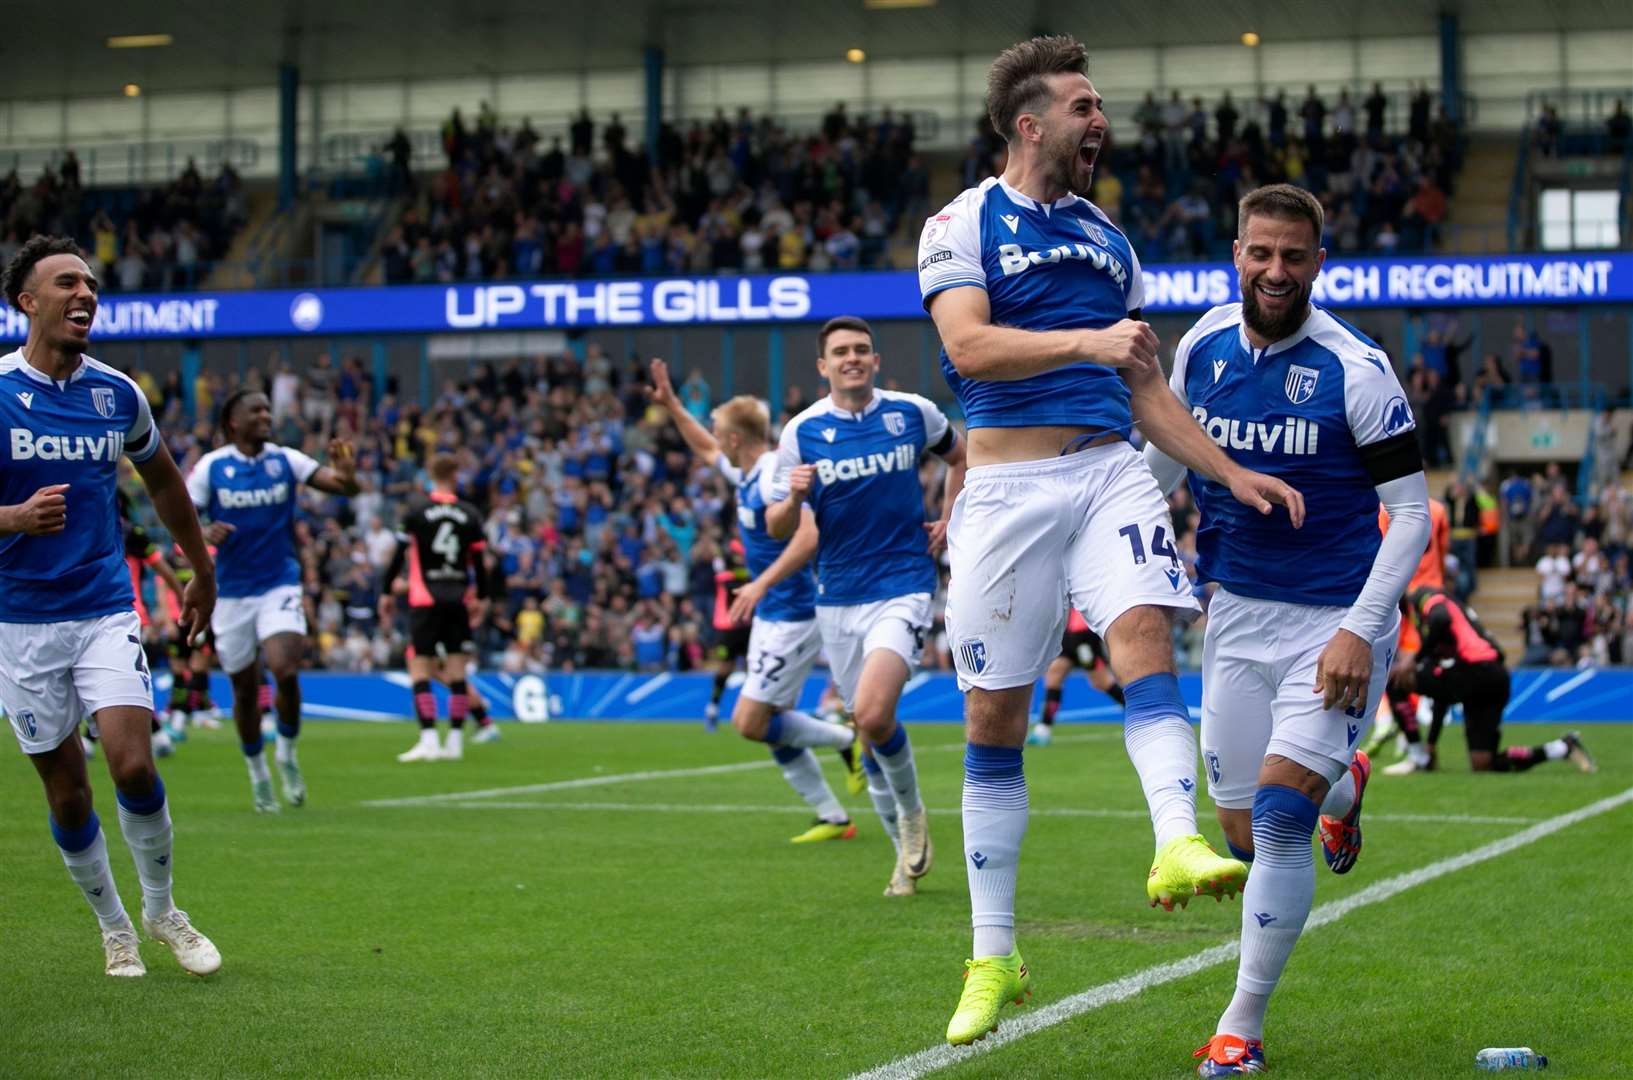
<point x="175" y="507"/>
<point x="662" y="393"/>
<point x="339" y="477"/>
<point x="800" y="550"/>
<point x="1166" y="423"/>
<point x="980" y="350"/>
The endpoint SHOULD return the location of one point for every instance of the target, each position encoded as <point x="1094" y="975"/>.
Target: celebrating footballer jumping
<point x="1037" y="297"/>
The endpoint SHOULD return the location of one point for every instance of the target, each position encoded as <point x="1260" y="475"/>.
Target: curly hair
<point x="15" y="278"/>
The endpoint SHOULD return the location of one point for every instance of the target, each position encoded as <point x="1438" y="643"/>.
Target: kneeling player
<point x="1461" y="664"/>
<point x="1080" y="648"/>
<point x="441" y="543"/>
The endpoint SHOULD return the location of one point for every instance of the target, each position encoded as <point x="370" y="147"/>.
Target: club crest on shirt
<point x="1093" y="231"/>
<point x="1301" y="383"/>
<point x="102" y="398"/>
<point x="274" y="468"/>
<point x="974" y="654"/>
<point x="895" y="423"/>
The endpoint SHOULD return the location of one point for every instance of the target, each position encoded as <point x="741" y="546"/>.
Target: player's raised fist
<point x="1127" y="344"/>
<point x="342" y="455"/>
<point x="662" y="390"/>
<point x="45" y="512"/>
<point x="801" y="479"/>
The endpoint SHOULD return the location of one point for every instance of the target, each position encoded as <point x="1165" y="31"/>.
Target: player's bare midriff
<point x="1007" y="445"/>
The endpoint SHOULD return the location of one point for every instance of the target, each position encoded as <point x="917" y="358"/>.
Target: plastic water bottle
<point x="1499" y="1058"/>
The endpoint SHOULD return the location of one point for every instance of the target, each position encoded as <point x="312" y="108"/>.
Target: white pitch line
<point x="1047" y="811"/>
<point x="567" y="785"/>
<point x="1018" y="1026"/>
<point x="652" y="774"/>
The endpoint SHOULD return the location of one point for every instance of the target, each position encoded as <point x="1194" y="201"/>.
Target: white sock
<point x="884" y="800"/>
<point x="1275" y="904"/>
<point x="791" y="728"/>
<point x="284" y="750"/>
<point x="88" y="866"/>
<point x="146" y="825"/>
<point x="895" y="757"/>
<point x="804" y="775"/>
<point x="1157" y="734"/>
<point x="1556" y="750"/>
<point x="256" y="762"/>
<point x="455" y="741"/>
<point x="995" y="813"/>
<point x="1418" y="754"/>
<point x="428" y="738"/>
<point x="1340" y="797"/>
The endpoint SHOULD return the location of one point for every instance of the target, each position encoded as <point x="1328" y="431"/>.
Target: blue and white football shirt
<point x="1062" y="266"/>
<point x="69" y="432"/>
<point x="1321" y="410"/>
<point x="256" y="496"/>
<point x="867" y="499"/>
<point x="791" y="599"/>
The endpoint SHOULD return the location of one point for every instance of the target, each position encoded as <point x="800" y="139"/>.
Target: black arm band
<point x="946" y="443"/>
<point x="1392" y="458"/>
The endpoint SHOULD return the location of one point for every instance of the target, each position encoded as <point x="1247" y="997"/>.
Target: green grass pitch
<point x="663" y="925"/>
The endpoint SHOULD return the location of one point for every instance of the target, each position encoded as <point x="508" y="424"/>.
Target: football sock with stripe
<point x="1157" y="734"/>
<point x="1275" y="904"/>
<point x="995" y="813"/>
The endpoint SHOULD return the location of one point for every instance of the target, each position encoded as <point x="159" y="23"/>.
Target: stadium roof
<point x="44" y="55"/>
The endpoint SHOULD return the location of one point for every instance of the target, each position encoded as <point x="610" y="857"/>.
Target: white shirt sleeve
<point x="787" y="458"/>
<point x="1374" y="402"/>
<point x="198" y="483"/>
<point x="950" y="248"/>
<point x="732" y="473"/>
<point x="142" y="437"/>
<point x="1407" y="500"/>
<point x="935" y="421"/>
<point x="768" y="487"/>
<point x="302" y="466"/>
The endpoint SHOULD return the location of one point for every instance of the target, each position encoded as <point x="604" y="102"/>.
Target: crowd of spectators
<point x="1437" y="384"/>
<point x="1581" y="554"/>
<point x="734" y="194"/>
<point x="1173" y="181"/>
<point x="606" y="533"/>
<point x="161" y="237"/>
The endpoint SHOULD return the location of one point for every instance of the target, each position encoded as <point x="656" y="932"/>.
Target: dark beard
<point x="1274" y="329"/>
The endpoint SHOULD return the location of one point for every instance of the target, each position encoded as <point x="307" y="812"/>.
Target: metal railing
<point x="112" y="164"/>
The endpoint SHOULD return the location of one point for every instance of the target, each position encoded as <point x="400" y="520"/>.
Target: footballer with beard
<point x="1036" y="295"/>
<point x="1303" y="623"/>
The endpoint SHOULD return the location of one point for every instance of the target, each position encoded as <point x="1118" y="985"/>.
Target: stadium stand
<point x="140" y="239"/>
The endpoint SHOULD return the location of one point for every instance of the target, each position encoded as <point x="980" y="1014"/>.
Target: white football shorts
<point x="849" y="633"/>
<point x="780" y="658"/>
<point x="241" y="623"/>
<point x="1258" y="693"/>
<point x="56" y="674"/>
<point x="1091" y="528"/>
